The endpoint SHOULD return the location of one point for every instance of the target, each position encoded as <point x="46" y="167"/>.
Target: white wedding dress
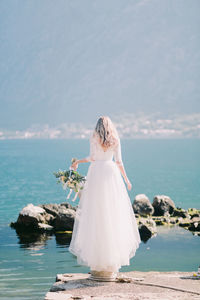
<point x="105" y="234"/>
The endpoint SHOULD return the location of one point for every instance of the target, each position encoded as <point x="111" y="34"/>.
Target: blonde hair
<point x="106" y="132"/>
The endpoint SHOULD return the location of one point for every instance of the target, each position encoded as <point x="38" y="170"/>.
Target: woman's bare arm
<point x="123" y="172"/>
<point x="79" y="161"/>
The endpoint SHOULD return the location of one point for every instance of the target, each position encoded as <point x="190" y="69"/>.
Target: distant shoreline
<point x="87" y="138"/>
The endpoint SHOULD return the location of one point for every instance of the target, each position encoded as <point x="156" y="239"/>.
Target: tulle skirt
<point x="105" y="234"/>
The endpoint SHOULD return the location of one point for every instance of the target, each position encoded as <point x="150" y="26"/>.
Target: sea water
<point x="28" y="265"/>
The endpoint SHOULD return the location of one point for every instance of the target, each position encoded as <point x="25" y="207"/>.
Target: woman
<point x="105" y="234"/>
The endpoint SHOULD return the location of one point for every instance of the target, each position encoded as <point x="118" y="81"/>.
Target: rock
<point x="63" y="277"/>
<point x="30" y="221"/>
<point x="194" y="224"/>
<point x="147" y="228"/>
<point x="29" y="218"/>
<point x="67" y="205"/>
<point x="147" y="221"/>
<point x="142" y="205"/>
<point x="191" y="224"/>
<point x="64" y="220"/>
<point x="184" y="223"/>
<point x="160" y="222"/>
<point x="32" y="210"/>
<point x="63" y="217"/>
<point x="195" y="216"/>
<point x="45" y="227"/>
<point x="163" y="204"/>
<point x="173" y="220"/>
<point x="193" y="212"/>
<point x="54" y="209"/>
<point x="180" y="212"/>
<point x="46" y="217"/>
<point x="65" y="282"/>
<point x="145" y="232"/>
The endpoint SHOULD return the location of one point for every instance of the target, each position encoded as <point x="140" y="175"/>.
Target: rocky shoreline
<point x="59" y="218"/>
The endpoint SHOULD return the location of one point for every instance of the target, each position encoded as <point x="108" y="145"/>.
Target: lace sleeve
<point x="92" y="149"/>
<point x="118" y="154"/>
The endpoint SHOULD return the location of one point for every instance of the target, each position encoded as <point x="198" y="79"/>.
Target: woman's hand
<point x="62" y="178"/>
<point x="129" y="185"/>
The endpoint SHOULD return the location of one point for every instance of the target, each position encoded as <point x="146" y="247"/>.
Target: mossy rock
<point x="184" y="223"/>
<point x="193" y="212"/>
<point x="174" y="220"/>
<point x="194" y="224"/>
<point x="160" y="222"/>
<point x="180" y="212"/>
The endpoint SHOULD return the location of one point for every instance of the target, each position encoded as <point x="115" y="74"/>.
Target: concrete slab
<point x="128" y="285"/>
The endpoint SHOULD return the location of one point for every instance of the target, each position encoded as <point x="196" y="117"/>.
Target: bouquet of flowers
<point x="71" y="179"/>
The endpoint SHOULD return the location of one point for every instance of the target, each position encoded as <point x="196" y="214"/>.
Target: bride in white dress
<point x="105" y="234"/>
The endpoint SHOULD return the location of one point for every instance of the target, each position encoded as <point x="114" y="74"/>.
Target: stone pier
<point x="128" y="285"/>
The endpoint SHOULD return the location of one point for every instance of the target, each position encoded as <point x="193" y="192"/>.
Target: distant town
<point x="129" y="126"/>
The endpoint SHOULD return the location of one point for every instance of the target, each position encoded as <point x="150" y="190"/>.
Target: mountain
<point x="70" y="61"/>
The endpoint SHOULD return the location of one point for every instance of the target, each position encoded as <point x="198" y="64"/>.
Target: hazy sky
<point x="70" y="61"/>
